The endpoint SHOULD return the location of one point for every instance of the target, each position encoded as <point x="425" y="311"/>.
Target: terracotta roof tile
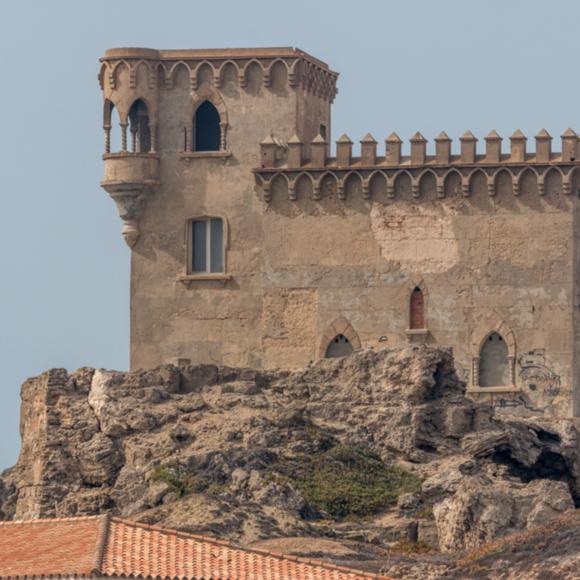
<point x="117" y="547"/>
<point x="50" y="547"/>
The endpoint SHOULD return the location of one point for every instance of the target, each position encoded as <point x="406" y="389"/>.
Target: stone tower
<point x="250" y="245"/>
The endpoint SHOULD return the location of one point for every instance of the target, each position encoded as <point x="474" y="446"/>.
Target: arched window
<point x="416" y="310"/>
<point x="206" y="128"/>
<point x="206" y="247"/>
<point x="139" y="127"/>
<point x="339" y="346"/>
<point x="112" y="127"/>
<point x="494" y="368"/>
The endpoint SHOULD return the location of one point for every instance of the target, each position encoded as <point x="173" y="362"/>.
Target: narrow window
<point x="206" y="128"/>
<point x="207" y="251"/>
<point x="493" y="362"/>
<point x="339" y="346"/>
<point x="322" y="131"/>
<point x="139" y="126"/>
<point x="417" y="310"/>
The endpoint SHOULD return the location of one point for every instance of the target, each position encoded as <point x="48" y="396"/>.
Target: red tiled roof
<point x="108" y="546"/>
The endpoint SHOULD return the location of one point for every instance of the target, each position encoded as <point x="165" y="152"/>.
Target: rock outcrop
<point x="378" y="447"/>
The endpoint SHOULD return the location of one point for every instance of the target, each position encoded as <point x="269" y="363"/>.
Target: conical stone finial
<point x="368" y="138"/>
<point x="442" y="137"/>
<point x="394" y="138"/>
<point x="493" y="135"/>
<point x="344" y="138"/>
<point x="518" y="135"/>
<point x="418" y="137"/>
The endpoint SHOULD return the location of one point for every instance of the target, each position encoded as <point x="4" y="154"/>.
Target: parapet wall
<point x="160" y="67"/>
<point x="317" y="174"/>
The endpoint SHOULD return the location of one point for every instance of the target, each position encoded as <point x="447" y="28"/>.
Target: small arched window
<point x="339" y="346"/>
<point x="139" y="127"/>
<point x="494" y="368"/>
<point x="206" y="128"/>
<point x="417" y="310"/>
<point x="206" y="247"/>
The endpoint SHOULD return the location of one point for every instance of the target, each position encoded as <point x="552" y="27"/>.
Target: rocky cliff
<point x="366" y="456"/>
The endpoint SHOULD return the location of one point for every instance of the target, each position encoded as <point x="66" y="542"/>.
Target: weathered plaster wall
<point x="481" y="261"/>
<point x="212" y="320"/>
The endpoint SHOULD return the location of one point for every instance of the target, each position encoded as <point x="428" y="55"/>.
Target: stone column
<point x="107" y="138"/>
<point x="124" y="137"/>
<point x="475" y="371"/>
<point x="223" y="129"/>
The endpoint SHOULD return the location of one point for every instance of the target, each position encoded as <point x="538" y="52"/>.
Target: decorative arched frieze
<point x="422" y="180"/>
<point x="324" y="179"/>
<point x="228" y="64"/>
<point x="452" y="183"/>
<point x="340" y="326"/>
<point x="346" y="184"/>
<point x="196" y="76"/>
<point x="294" y="186"/>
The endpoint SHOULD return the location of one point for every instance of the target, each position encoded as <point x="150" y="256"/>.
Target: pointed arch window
<point x="417" y="309"/>
<point x="338" y="347"/>
<point x="207" y="128"/>
<point x="494" y="364"/>
<point x="140" y="128"/>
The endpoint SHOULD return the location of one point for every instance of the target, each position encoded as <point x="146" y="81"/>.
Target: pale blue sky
<point x="405" y="66"/>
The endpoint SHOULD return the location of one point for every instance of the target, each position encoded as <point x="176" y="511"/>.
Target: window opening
<point x="417" y="310"/>
<point x="206" y="128"/>
<point x="207" y="245"/>
<point x="338" y="347"/>
<point x="493" y="363"/>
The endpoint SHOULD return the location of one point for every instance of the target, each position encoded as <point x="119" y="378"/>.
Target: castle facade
<point x="251" y="245"/>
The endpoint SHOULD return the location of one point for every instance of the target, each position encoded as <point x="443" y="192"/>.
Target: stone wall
<point x="317" y="247"/>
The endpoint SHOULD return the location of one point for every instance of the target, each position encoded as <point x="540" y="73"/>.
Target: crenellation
<point x="418" y="149"/>
<point x="543" y="146"/>
<point x="442" y="148"/>
<point x="468" y="147"/>
<point x="344" y="151"/>
<point x="518" y="147"/>
<point x="493" y="147"/>
<point x="368" y="150"/>
<point x="492" y="163"/>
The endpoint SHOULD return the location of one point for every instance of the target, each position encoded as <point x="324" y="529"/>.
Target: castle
<point x="251" y="246"/>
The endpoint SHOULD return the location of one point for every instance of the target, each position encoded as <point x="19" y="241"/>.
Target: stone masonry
<point x="304" y="255"/>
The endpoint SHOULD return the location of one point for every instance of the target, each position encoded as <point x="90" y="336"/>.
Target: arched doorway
<point x="494" y="368"/>
<point x="338" y="347"/>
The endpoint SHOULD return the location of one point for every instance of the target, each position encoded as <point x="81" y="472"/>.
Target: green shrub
<point x="347" y="481"/>
<point x="179" y="480"/>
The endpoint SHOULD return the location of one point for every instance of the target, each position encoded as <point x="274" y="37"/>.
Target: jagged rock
<point x="200" y="448"/>
<point x="483" y="509"/>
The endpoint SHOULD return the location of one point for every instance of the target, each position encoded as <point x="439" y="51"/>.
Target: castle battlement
<point x="288" y="164"/>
